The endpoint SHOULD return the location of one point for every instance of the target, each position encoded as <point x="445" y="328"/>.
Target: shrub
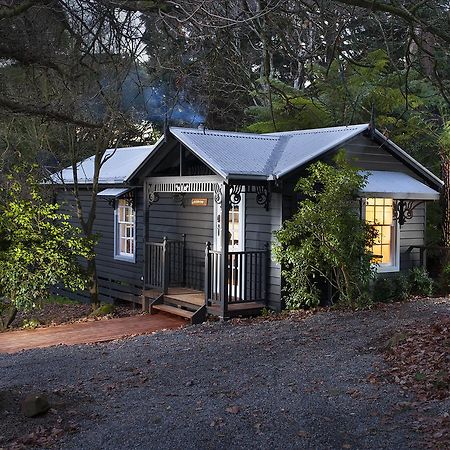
<point x="39" y="248"/>
<point x="400" y="286"/>
<point x="326" y="241"/>
<point x="420" y="282"/>
<point x="389" y="289"/>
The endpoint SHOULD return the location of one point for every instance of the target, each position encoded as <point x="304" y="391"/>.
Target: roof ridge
<point x="276" y="154"/>
<point x="318" y="130"/>
<point x="220" y="133"/>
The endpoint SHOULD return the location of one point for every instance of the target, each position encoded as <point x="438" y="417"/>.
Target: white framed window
<point x="379" y="213"/>
<point x="125" y="231"/>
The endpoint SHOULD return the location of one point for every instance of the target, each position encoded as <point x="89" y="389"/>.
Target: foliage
<point x="60" y="300"/>
<point x="398" y="287"/>
<point x="420" y="282"/>
<point x="291" y="109"/>
<point x="41" y="247"/>
<point x="326" y="240"/>
<point x="30" y="324"/>
<point x="391" y="288"/>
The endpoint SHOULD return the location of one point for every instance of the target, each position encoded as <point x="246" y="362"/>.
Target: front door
<point x="236" y="241"/>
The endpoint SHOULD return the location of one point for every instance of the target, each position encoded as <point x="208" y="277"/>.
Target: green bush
<point x="390" y="289"/>
<point x="326" y="242"/>
<point x="400" y="286"/>
<point x="420" y="282"/>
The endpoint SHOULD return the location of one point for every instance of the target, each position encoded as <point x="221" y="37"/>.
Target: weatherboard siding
<point x="412" y="233"/>
<point x="259" y="228"/>
<point x="107" y="266"/>
<point x="366" y="154"/>
<point x="167" y="218"/>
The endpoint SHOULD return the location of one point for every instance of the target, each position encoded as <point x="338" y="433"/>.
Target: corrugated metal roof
<point x="229" y="153"/>
<point x="113" y="192"/>
<point x="262" y="155"/>
<point x="118" y="166"/>
<point x="397" y="185"/>
<point x="303" y="146"/>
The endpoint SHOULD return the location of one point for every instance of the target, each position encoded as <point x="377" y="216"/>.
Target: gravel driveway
<point x="269" y="385"/>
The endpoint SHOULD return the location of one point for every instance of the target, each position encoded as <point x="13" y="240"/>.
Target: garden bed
<point x="60" y="310"/>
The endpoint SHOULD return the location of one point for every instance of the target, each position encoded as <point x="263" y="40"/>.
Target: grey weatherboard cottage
<point x="186" y="225"/>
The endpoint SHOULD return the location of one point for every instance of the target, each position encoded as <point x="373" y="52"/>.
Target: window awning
<point x="397" y="185"/>
<point x="113" y="192"/>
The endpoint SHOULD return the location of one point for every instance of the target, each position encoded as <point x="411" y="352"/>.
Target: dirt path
<point x="280" y="384"/>
<point x="86" y="332"/>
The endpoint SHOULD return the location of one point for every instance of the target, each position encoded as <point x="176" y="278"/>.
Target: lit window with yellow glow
<point x="379" y="214"/>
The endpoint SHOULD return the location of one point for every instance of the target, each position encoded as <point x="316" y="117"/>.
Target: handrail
<point x="164" y="263"/>
<point x="247" y="276"/>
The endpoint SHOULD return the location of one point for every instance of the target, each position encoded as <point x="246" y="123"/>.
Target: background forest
<point x="79" y="76"/>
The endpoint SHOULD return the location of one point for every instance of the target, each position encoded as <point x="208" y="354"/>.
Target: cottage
<point x="186" y="225"/>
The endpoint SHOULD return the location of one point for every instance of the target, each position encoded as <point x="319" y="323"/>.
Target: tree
<point x="326" y="240"/>
<point x="65" y="65"/>
<point x="39" y="248"/>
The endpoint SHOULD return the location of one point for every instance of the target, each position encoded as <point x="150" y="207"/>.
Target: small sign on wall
<point x="199" y="202"/>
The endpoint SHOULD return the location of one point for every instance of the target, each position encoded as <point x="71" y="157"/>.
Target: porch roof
<point x="397" y="185"/>
<point x="113" y="192"/>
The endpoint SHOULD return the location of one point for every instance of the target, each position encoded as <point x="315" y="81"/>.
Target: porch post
<point x="224" y="254"/>
<point x="165" y="266"/>
<point x="207" y="273"/>
<point x="145" y="238"/>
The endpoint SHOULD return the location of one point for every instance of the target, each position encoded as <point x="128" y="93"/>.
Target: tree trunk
<point x="445" y="199"/>
<point x="8" y="319"/>
<point x="93" y="283"/>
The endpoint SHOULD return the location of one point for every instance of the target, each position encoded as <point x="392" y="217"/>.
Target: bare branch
<point x="408" y="15"/>
<point x="46" y="112"/>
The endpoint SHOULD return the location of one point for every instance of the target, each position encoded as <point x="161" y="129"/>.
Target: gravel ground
<point x="276" y="384"/>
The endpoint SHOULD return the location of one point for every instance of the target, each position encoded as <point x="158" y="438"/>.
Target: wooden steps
<point x="174" y="310"/>
<point x="181" y="302"/>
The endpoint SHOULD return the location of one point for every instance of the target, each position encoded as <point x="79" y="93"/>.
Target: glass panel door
<point x="236" y="236"/>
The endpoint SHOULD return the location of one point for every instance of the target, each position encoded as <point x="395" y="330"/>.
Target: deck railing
<point x="164" y="264"/>
<point x="248" y="273"/>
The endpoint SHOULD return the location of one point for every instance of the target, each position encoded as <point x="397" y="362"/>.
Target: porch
<point x="206" y="262"/>
<point x="168" y="287"/>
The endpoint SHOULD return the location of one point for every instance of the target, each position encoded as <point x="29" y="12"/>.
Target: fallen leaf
<point x="233" y="409"/>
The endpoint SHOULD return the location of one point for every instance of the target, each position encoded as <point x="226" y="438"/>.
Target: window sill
<point x="387" y="269"/>
<point x="130" y="259"/>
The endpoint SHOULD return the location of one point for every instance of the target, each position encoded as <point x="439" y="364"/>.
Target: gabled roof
<point x="273" y="155"/>
<point x="118" y="167"/>
<point x="239" y="155"/>
<point x="266" y="156"/>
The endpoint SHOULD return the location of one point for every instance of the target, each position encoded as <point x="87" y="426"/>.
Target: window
<point x="125" y="230"/>
<point x="379" y="213"/>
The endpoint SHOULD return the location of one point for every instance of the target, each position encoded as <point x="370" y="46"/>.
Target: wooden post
<point x="267" y="274"/>
<point x="165" y="266"/>
<point x="144" y="239"/>
<point x="183" y="259"/>
<point x="207" y="273"/>
<point x="224" y="254"/>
